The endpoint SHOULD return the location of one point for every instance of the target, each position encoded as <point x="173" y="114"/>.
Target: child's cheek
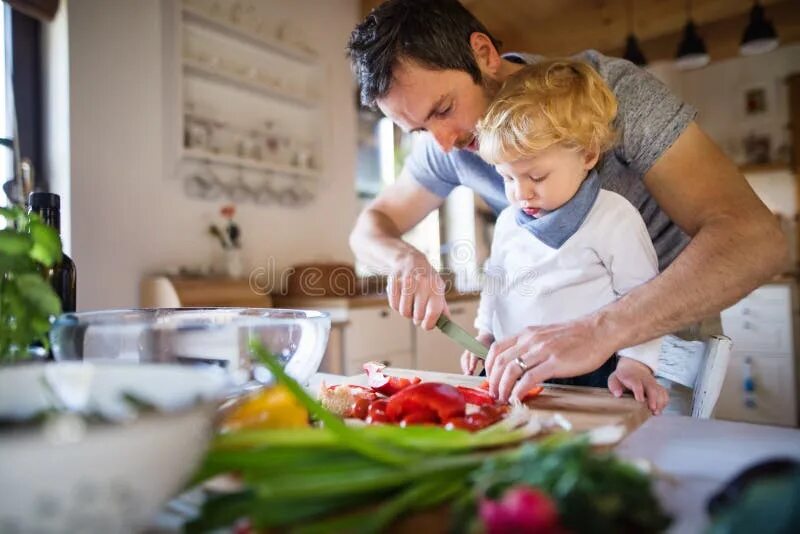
<point x="510" y="194"/>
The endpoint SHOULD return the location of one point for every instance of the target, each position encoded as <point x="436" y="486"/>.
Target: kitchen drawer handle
<point x="749" y="385"/>
<point x="384" y="313"/>
<point x="456" y="311"/>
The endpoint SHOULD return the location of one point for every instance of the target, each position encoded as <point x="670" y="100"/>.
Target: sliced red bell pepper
<point x="479" y="420"/>
<point x="376" y="413"/>
<point x="472" y="422"/>
<point x="443" y="399"/>
<point x="478" y="397"/>
<point x="532" y="393"/>
<point x="457" y="422"/>
<point x="385" y="384"/>
<point x="397" y="384"/>
<point x="422" y="417"/>
<point x="360" y="407"/>
<point x="485" y="416"/>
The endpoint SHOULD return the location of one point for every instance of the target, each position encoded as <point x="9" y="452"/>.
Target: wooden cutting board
<point x="586" y="408"/>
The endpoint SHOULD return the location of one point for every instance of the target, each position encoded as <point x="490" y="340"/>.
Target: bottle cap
<point x="40" y="200"/>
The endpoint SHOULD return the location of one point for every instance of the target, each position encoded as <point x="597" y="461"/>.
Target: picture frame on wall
<point x="756" y="101"/>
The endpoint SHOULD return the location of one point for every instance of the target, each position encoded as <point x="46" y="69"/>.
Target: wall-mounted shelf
<point x="217" y="75"/>
<point x="255" y="103"/>
<point x="251" y="164"/>
<point x="201" y="18"/>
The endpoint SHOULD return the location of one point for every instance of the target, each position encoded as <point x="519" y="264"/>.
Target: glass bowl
<point x="196" y="336"/>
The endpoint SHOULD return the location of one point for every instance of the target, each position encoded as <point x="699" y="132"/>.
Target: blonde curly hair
<point x="555" y="101"/>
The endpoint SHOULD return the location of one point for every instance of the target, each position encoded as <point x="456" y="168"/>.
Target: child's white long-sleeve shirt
<point x="528" y="283"/>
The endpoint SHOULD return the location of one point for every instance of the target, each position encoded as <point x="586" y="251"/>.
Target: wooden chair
<point x="693" y="372"/>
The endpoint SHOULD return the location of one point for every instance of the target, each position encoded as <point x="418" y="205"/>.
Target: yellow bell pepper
<point x="273" y="407"/>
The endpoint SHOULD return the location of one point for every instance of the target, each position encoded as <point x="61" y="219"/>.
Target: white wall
<point x="128" y="219"/>
<point x="717" y="91"/>
<point x="55" y="77"/>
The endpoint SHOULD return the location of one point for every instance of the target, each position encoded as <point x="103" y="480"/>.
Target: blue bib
<point x="555" y="227"/>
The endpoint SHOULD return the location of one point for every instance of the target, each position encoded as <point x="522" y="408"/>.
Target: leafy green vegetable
<point x="594" y="492"/>
<point x="361" y="479"/>
<point x="28" y="247"/>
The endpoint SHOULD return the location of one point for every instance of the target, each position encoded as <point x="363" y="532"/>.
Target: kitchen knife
<point x="462" y="337"/>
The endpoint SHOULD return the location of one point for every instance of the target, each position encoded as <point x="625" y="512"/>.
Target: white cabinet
<point x="371" y="331"/>
<point x="437" y="352"/>
<point x="761" y="383"/>
<point x="762" y="321"/>
<point x="380" y="334"/>
<point x="773" y="399"/>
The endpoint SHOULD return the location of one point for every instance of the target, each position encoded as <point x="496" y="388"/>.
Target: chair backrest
<point x="699" y="366"/>
<point x="158" y="292"/>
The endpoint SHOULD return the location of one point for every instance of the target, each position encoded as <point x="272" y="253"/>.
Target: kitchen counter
<point x="698" y="456"/>
<point x="694" y="457"/>
<point x="360" y="301"/>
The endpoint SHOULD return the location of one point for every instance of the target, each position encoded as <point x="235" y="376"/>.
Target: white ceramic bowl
<point x="67" y="475"/>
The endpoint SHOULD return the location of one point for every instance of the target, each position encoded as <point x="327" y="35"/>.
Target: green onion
<point x="414" y="438"/>
<point x="345" y="434"/>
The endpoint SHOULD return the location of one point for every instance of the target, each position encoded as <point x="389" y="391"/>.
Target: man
<point x="430" y="66"/>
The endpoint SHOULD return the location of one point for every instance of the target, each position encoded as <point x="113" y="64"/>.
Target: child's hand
<point x="469" y="362"/>
<point x="638" y="378"/>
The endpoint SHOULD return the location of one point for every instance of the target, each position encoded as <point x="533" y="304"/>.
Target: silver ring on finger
<point x="522" y="365"/>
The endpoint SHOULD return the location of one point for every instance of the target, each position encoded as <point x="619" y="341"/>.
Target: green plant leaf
<point x="16" y="264"/>
<point x="46" y="243"/>
<point x="13" y="243"/>
<point x="10" y="214"/>
<point x="13" y="301"/>
<point x="40" y="325"/>
<point x="27" y="301"/>
<point x="36" y="292"/>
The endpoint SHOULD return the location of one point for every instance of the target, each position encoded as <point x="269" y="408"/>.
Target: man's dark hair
<point x="433" y="33"/>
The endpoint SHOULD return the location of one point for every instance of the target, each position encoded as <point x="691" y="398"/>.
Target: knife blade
<point x="462" y="337"/>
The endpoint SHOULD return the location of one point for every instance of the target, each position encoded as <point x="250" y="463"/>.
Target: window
<point x="382" y="149"/>
<point x="6" y="157"/>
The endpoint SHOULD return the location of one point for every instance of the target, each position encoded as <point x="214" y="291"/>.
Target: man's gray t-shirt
<point x="649" y="120"/>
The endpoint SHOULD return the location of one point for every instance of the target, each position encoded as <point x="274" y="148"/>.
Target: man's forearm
<point x="725" y="260"/>
<point x="378" y="243"/>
